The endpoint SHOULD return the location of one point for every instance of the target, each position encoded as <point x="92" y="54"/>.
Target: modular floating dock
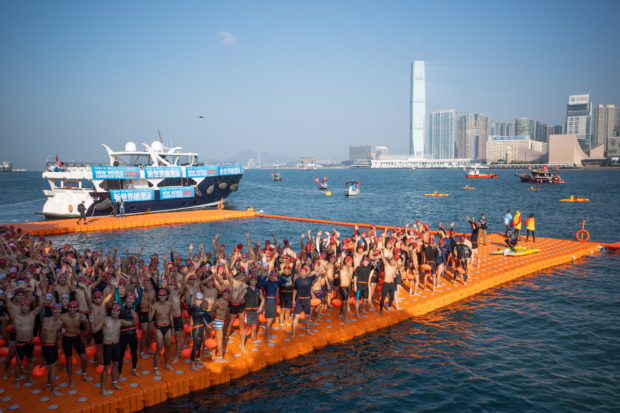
<point x="149" y="390"/>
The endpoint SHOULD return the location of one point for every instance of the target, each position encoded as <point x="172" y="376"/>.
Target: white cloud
<point x="227" y="39"/>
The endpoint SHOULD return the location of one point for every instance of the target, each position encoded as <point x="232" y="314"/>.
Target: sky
<point x="292" y="78"/>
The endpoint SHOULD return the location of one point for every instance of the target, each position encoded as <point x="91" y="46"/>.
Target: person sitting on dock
<point x="512" y="240"/>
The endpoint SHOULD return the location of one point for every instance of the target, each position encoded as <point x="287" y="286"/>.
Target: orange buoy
<point x="336" y="302"/>
<point x="211" y="343"/>
<point x="37" y="350"/>
<point x="426" y="267"/>
<point x="315" y="302"/>
<point x="582" y="235"/>
<point x="39" y="371"/>
<point x="236" y="322"/>
<point x="278" y="309"/>
<point x="410" y="276"/>
<point x="187" y="328"/>
<point x="99" y="369"/>
<point x="460" y="270"/>
<point x="2" y="342"/>
<point x="127" y="355"/>
<point x="262" y="318"/>
<point x="139" y="334"/>
<point x="186" y="352"/>
<point x="352" y="300"/>
<point x="91" y="350"/>
<point x="4" y="351"/>
<point x="302" y="316"/>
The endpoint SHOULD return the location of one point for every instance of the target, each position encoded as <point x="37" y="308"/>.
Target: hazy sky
<point x="293" y="78"/>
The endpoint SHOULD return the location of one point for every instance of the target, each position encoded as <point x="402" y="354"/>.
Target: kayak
<point x="436" y="194"/>
<point x="575" y="200"/>
<point x="520" y="251"/>
<point x="469" y="187"/>
<point x="531" y="188"/>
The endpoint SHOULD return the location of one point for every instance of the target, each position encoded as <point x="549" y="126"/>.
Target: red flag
<point x="316" y="180"/>
<point x="58" y="163"/>
<point x="325" y="178"/>
<point x="529" y="167"/>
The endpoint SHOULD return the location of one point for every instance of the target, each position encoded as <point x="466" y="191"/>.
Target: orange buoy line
<point x="148" y="390"/>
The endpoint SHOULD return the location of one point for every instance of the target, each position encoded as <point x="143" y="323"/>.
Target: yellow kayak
<point x="520" y="251"/>
<point x="573" y="199"/>
<point x="469" y="187"/>
<point x="531" y="188"/>
<point x="436" y="194"/>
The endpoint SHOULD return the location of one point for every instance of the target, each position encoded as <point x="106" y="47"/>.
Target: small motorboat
<point x="475" y="173"/>
<point x="322" y="183"/>
<point x="352" y="188"/>
<point x="276" y="177"/>
<point x="436" y="194"/>
<point x="573" y="199"/>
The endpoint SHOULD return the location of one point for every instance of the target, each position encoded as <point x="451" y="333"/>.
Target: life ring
<point x="582" y="235"/>
<point x="70" y="208"/>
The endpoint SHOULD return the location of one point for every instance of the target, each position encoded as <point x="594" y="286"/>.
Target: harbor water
<point x="546" y="342"/>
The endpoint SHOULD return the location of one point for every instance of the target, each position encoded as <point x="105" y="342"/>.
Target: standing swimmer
<point x="82" y="210"/>
<point x="530" y="225"/>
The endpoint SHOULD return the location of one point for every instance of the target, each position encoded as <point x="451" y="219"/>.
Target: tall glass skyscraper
<point x="417" y="127"/>
<point x="442" y="134"/>
<point x="578" y="115"/>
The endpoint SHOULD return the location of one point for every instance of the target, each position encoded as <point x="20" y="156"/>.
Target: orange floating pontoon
<point x="64" y="226"/>
<point x="149" y="390"/>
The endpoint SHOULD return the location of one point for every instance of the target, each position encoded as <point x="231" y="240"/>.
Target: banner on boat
<point x="161" y="172"/>
<point x="133" y="195"/>
<point x="229" y="170"/>
<point x="172" y="192"/>
<point x="201" y="171"/>
<point x="115" y="172"/>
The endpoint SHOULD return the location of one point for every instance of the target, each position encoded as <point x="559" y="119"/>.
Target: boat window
<point x="176" y="182"/>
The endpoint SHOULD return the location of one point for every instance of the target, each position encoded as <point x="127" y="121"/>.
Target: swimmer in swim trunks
<point x="345" y="274"/>
<point x="163" y="329"/>
<point x="220" y="312"/>
<point x="49" y="337"/>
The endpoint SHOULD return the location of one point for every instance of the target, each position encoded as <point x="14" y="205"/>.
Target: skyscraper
<point x="504" y="128"/>
<point x="417" y="128"/>
<point x="525" y="127"/>
<point x="473" y="130"/>
<point x="442" y="133"/>
<point x="604" y="122"/>
<point x="578" y="115"/>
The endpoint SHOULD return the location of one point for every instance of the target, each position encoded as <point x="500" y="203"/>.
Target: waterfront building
<point x="605" y="122"/>
<point x="417" y="102"/>
<point x="473" y="130"/>
<point x="359" y="152"/>
<point x="612" y="149"/>
<point x="515" y="148"/>
<point x="381" y="152"/>
<point x="557" y="130"/>
<point x="442" y="134"/>
<point x="578" y="116"/>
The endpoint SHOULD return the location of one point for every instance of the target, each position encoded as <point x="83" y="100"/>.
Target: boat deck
<point x="149" y="390"/>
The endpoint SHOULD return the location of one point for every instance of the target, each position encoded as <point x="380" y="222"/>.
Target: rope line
<point x="25" y="202"/>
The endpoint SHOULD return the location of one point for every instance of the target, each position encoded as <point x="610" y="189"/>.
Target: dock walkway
<point x="149" y="390"/>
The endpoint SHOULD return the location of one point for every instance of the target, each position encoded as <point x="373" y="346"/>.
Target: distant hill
<point x="246" y="157"/>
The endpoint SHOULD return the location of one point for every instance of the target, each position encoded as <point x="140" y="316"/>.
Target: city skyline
<point x="284" y="78"/>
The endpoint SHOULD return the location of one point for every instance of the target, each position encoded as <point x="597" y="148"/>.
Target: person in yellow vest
<point x="530" y="225"/>
<point x="516" y="222"/>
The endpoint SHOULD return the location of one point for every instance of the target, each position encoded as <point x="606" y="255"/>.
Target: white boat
<point x="352" y="188"/>
<point x="156" y="179"/>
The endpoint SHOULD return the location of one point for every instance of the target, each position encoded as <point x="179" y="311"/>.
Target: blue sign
<point x="133" y="195"/>
<point x="115" y="172"/>
<point x="200" y="171"/>
<point x="172" y="192"/>
<point x="161" y="172"/>
<point x="229" y="170"/>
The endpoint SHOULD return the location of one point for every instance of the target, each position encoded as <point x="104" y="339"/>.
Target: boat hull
<point x="209" y="193"/>
<point x="488" y="176"/>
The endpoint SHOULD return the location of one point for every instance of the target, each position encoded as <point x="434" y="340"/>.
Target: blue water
<point x="547" y="342"/>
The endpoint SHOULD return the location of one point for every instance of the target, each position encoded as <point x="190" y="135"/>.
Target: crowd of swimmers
<point x="108" y="302"/>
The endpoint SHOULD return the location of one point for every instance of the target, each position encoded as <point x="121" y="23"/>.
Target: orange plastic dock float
<point x="149" y="390"/>
<point x="65" y="226"/>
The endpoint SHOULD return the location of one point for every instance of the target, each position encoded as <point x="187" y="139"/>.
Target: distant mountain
<point x="247" y="157"/>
